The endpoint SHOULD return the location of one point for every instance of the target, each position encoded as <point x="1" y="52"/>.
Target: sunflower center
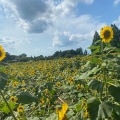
<point x="106" y="34"/>
<point x="12" y="99"/>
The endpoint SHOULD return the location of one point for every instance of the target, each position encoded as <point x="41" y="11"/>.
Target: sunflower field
<point x="79" y="88"/>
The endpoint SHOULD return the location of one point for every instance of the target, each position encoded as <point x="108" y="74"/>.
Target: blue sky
<point x="41" y="27"/>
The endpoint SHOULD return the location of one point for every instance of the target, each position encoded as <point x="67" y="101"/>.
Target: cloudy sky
<point x="41" y="27"/>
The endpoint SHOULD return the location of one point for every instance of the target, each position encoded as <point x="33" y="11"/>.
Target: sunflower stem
<point x="100" y="97"/>
<point x="106" y="86"/>
<point x="8" y="105"/>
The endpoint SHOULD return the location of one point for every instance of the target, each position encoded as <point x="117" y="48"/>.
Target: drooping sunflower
<point x="106" y="34"/>
<point x="2" y="53"/>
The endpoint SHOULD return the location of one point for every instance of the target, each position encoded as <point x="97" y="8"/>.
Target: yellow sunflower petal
<point x="2" y="53"/>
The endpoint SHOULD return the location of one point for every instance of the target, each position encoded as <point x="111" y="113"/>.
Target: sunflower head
<point x="13" y="99"/>
<point x="15" y="84"/>
<point x="20" y="109"/>
<point x="58" y="84"/>
<point x="106" y="34"/>
<point x="2" y="53"/>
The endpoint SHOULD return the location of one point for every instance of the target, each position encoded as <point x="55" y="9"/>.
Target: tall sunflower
<point x="106" y="34"/>
<point x="2" y="53"/>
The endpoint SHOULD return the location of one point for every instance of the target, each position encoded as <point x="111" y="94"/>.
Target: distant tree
<point x="79" y="51"/>
<point x="116" y="39"/>
<point x="23" y="55"/>
<point x="68" y="56"/>
<point x="71" y="52"/>
<point x="95" y="39"/>
<point x="64" y="53"/>
<point x="56" y="54"/>
<point x="8" y="57"/>
<point x="85" y="52"/>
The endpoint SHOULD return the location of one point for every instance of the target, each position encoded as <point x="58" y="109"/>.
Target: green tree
<point x="79" y="51"/>
<point x="85" y="52"/>
<point x="116" y="38"/>
<point x="95" y="39"/>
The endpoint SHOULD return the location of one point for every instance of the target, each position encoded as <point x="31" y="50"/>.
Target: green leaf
<point x="96" y="85"/>
<point x="105" y="110"/>
<point x="89" y="73"/>
<point x="80" y="95"/>
<point x="94" y="47"/>
<point x="33" y="118"/>
<point x="5" y="109"/>
<point x="115" y="92"/>
<point x="70" y="114"/>
<point x="52" y="117"/>
<point x="2" y="68"/>
<point x="93" y="106"/>
<point x="3" y="80"/>
<point x="9" y="118"/>
<point x="83" y="76"/>
<point x="94" y="70"/>
<point x="96" y="51"/>
<point x="117" y="109"/>
<point x="97" y="42"/>
<point x="115" y="116"/>
<point x="26" y="98"/>
<point x="95" y="60"/>
<point x="104" y="64"/>
<point x="78" y="107"/>
<point x="87" y="64"/>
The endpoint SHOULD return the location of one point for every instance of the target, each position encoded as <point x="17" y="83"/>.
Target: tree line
<point x="58" y="54"/>
<point x="67" y="53"/>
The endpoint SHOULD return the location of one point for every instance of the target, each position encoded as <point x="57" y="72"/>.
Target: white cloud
<point x="77" y="30"/>
<point x="72" y="29"/>
<point x="117" y="22"/>
<point x="38" y="16"/>
<point x="116" y="2"/>
<point x="29" y="14"/>
<point x="13" y="43"/>
<point x="9" y="43"/>
<point x="88" y="1"/>
<point x="66" y="39"/>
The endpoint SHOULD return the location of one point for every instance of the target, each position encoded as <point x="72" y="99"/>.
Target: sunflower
<point x="13" y="99"/>
<point x="20" y="109"/>
<point x="2" y="53"/>
<point x="15" y="84"/>
<point x="62" y="113"/>
<point x="106" y="34"/>
<point x="58" y="84"/>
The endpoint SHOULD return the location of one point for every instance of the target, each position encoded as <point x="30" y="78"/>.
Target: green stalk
<point x="106" y="86"/>
<point x="101" y="50"/>
<point x="8" y="105"/>
<point x="102" y="59"/>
